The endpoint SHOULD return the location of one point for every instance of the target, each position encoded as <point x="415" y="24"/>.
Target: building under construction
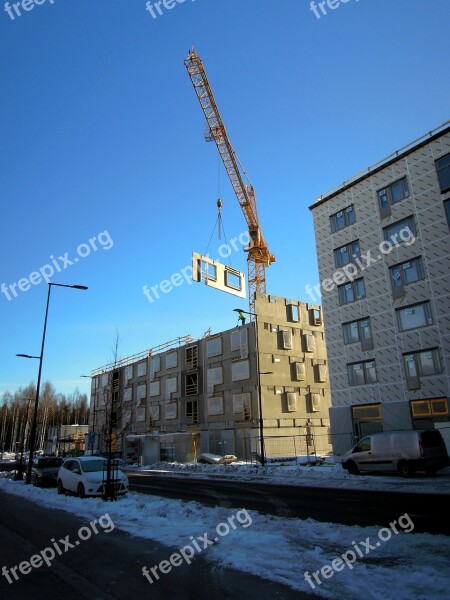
<point x="197" y="396"/>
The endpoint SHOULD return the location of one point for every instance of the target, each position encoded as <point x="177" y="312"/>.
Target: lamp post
<point x="40" y="357"/>
<point x="261" y="422"/>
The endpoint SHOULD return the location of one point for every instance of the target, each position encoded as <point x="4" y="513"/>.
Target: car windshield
<point x="46" y="463"/>
<point x="93" y="465"/>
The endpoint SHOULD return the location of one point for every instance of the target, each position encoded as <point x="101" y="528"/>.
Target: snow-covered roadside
<point x="407" y="566"/>
<point x="326" y="475"/>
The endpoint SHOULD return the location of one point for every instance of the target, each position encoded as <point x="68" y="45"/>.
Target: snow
<point x="326" y="475"/>
<point x="406" y="566"/>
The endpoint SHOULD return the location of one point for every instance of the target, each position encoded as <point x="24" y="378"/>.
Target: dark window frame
<point x="347" y="221"/>
<point x="427" y="311"/>
<point x="443" y="173"/>
<point x="386" y="192"/>
<point x="341" y="291"/>
<point x="338" y="252"/>
<point x="363" y="364"/>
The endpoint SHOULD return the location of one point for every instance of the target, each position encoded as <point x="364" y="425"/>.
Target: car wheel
<point x="405" y="469"/>
<point x="81" y="491"/>
<point x="352" y="468"/>
<point x="61" y="489"/>
<point x="36" y="481"/>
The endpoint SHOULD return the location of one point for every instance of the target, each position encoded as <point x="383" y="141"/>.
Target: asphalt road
<point x="429" y="512"/>
<point x="108" y="565"/>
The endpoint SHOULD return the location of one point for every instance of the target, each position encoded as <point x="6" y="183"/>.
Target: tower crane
<point x="259" y="256"/>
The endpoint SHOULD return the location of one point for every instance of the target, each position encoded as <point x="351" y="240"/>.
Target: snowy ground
<point x="327" y="475"/>
<point x="405" y="566"/>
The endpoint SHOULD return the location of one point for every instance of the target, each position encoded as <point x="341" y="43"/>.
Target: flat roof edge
<point x="384" y="162"/>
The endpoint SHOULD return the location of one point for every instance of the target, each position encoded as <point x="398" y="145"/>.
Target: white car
<point x="86" y="476"/>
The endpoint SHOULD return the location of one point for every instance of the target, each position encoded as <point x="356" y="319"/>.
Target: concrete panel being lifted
<point x="218" y="276"/>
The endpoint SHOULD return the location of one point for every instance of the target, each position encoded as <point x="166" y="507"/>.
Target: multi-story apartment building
<point x="382" y="242"/>
<point x="204" y="395"/>
<point x="65" y="439"/>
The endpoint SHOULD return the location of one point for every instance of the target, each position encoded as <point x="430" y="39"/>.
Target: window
<point x="342" y="219"/>
<point x="141" y="393"/>
<point x="447" y="211"/>
<point x="155" y="366"/>
<point x="104" y="379"/>
<point x="241" y="404"/>
<point x="322" y="373"/>
<point x="406" y="273"/>
<point x="366" y="412"/>
<point x="171" y="360"/>
<point x="294" y="312"/>
<point x="191" y="384"/>
<point x="443" y="171"/>
<point x="239" y="339"/>
<point x="128" y="372"/>
<point x="171" y="386"/>
<point x="240" y="370"/>
<point x="352" y="291"/>
<point x="286" y="337"/>
<point x="363" y="446"/>
<point x="142" y="369"/>
<point x="192" y="410"/>
<point x="155" y="413"/>
<point x="401" y="231"/>
<point x="154" y="388"/>
<point x="213" y="377"/>
<point x="127" y="394"/>
<point x="171" y="410"/>
<point x="315" y="402"/>
<point x="233" y="279"/>
<point x="291" y="401"/>
<point x="358" y="331"/>
<point x="215" y="406"/>
<point x="346" y="254"/>
<point x="309" y="342"/>
<point x="95" y="383"/>
<point x="362" y="373"/>
<point x="426" y="408"/>
<point x="214" y="346"/>
<point x="300" y="371"/>
<point x="390" y="195"/>
<point x="423" y="363"/>
<point x="415" y="316"/>
<point x="192" y="356"/>
<point x="140" y="413"/>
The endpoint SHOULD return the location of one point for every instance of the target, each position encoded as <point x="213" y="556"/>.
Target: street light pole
<point x="261" y="422"/>
<point x="41" y="356"/>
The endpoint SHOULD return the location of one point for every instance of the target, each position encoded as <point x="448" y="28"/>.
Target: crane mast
<point x="259" y="256"/>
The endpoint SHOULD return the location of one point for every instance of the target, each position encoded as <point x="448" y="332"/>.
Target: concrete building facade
<point x="203" y="395"/>
<point x="383" y="251"/>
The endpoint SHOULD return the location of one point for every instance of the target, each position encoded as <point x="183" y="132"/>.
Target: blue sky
<point x="101" y="132"/>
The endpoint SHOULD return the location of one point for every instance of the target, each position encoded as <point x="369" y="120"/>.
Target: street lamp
<point x="40" y="357"/>
<point x="261" y="422"/>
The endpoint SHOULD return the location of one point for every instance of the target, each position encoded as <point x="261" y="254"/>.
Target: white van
<point x="402" y="451"/>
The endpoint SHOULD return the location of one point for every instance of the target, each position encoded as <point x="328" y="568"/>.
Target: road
<point x="429" y="512"/>
<point x="109" y="565"/>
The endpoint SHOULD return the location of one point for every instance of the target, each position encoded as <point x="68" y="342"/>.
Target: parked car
<point x="45" y="470"/>
<point x="85" y="476"/>
<point x="402" y="451"/>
